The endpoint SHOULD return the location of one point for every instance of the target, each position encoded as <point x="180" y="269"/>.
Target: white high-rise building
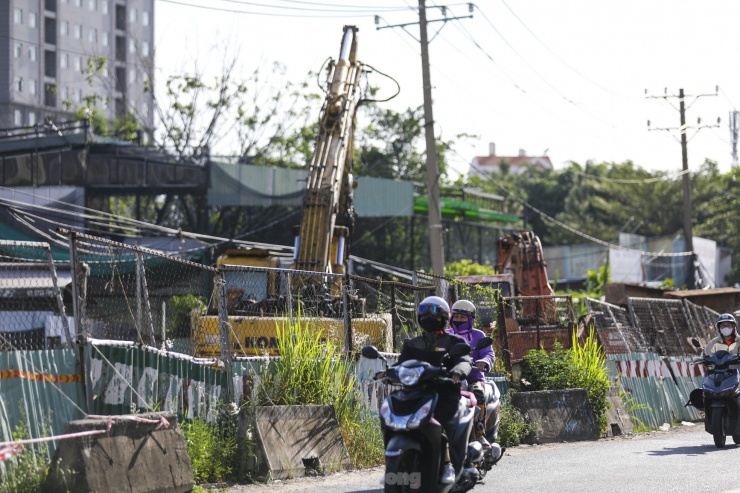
<point x="47" y="50"/>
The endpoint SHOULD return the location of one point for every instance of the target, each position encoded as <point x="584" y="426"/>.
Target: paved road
<point x="682" y="459"/>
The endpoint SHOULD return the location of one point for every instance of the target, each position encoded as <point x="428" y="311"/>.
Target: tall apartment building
<point x="45" y="48"/>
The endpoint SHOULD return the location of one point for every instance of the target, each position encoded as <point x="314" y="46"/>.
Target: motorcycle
<point x="493" y="421"/>
<point x="413" y="439"/>
<point x="719" y="397"/>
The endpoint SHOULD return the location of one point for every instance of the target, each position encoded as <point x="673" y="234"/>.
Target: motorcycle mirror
<point x="459" y="349"/>
<point x="371" y="352"/>
<point x="696" y="342"/>
<point x="483" y="342"/>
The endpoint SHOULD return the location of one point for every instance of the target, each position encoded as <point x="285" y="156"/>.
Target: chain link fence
<point x="648" y="324"/>
<point x="32" y="298"/>
<point x="129" y="293"/>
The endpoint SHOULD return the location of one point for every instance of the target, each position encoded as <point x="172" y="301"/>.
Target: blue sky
<point x="567" y="78"/>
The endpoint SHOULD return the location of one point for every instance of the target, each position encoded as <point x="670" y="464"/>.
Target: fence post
<point x="394" y="314"/>
<point x="78" y="273"/>
<point x="143" y="296"/>
<point x="224" y="333"/>
<point x="348" y="346"/>
<point x="58" y="296"/>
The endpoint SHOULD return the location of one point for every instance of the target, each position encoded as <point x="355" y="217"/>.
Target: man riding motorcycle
<point x="431" y="346"/>
<point x="461" y="324"/>
<point x="728" y="337"/>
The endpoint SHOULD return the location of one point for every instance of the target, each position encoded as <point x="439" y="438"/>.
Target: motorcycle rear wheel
<point x="399" y="469"/>
<point x="718" y="432"/>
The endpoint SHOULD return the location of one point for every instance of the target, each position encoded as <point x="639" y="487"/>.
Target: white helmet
<point x="464" y="307"/>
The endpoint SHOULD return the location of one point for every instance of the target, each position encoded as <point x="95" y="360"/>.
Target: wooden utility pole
<point x="687" y="210"/>
<point x="436" y="238"/>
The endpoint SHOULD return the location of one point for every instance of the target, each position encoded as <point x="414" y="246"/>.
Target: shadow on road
<point x="693" y="450"/>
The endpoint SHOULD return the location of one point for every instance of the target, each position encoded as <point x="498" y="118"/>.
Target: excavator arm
<point x="521" y="254"/>
<point x="327" y="205"/>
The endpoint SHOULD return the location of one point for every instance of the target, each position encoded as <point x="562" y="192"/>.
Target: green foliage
<point x="179" y="310"/>
<point x="581" y="367"/>
<point x="212" y="447"/>
<point x="514" y="426"/>
<point x="467" y="267"/>
<point x="596" y="281"/>
<point x="26" y="471"/>
<point x="312" y="370"/>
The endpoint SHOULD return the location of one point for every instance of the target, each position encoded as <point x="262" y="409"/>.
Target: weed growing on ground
<point x="514" y="426"/>
<point x="212" y="447"/>
<point x="26" y="471"/>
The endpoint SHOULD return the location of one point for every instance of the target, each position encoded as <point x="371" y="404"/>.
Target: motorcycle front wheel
<point x="718" y="431"/>
<point x="402" y="473"/>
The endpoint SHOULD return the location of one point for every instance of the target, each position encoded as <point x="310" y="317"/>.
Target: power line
<point x="322" y="13"/>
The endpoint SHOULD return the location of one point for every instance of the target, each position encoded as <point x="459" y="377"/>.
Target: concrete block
<point x="132" y="457"/>
<point x="617" y="418"/>
<point x="294" y="441"/>
<point x="558" y="415"/>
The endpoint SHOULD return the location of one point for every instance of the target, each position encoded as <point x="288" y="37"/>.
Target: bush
<point x="581" y="367"/>
<point x="514" y="426"/>
<point x="212" y="447"/>
<point x="26" y="471"/>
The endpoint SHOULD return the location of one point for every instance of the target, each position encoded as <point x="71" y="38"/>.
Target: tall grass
<point x="312" y="370"/>
<point x="590" y="362"/>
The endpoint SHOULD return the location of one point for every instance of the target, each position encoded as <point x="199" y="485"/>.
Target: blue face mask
<point x="463" y="327"/>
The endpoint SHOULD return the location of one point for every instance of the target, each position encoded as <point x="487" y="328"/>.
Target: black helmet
<point x="433" y="314"/>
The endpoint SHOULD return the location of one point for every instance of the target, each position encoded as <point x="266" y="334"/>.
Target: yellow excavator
<point x="320" y="243"/>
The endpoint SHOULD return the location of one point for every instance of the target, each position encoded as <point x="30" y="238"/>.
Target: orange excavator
<point x="520" y="254"/>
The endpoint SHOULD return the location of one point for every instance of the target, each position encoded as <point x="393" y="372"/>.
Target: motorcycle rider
<point x="461" y="324"/>
<point x="728" y="337"/>
<point x="433" y="315"/>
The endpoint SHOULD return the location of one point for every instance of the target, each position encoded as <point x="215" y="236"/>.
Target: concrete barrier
<point x="617" y="418"/>
<point x="558" y="415"/>
<point x="294" y="441"/>
<point x="137" y="455"/>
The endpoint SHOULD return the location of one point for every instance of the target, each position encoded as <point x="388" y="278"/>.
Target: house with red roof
<point x="483" y="166"/>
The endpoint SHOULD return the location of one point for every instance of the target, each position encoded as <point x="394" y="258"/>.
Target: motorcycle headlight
<point x="419" y="415"/>
<point x="409" y="376"/>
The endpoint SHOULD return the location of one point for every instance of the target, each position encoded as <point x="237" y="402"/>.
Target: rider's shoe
<point x="448" y="474"/>
<point x="470" y="471"/>
<point x="484" y="443"/>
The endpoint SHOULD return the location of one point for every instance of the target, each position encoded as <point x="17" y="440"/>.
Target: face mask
<point x="432" y="323"/>
<point x="726" y="331"/>
<point x="462" y="326"/>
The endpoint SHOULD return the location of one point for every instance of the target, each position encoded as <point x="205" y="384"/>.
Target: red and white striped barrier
<point x="687" y="369"/>
<point x="643" y="368"/>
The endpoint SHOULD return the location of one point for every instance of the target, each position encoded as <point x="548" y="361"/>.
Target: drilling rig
<point x="320" y="246"/>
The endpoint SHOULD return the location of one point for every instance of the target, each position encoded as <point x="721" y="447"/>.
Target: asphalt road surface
<point x="681" y="459"/>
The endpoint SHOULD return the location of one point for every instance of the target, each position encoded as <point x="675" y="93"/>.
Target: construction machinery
<point x="257" y="299"/>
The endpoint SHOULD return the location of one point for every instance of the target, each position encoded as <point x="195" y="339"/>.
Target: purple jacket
<point x="485" y="355"/>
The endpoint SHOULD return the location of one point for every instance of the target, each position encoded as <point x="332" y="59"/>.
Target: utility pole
<point x="733" y="135"/>
<point x="436" y="238"/>
<point x="687" y="211"/>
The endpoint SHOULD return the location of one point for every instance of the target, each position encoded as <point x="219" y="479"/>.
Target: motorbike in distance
<point x="719" y="397"/>
<point x="413" y="438"/>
